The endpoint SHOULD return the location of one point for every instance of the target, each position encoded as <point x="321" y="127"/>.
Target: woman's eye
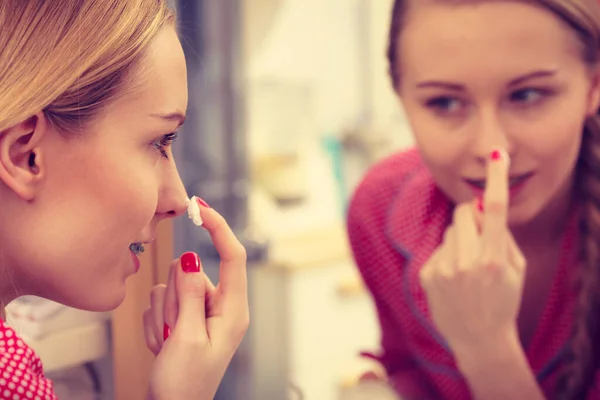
<point x="527" y="95"/>
<point x="164" y="143"/>
<point x="444" y="104"/>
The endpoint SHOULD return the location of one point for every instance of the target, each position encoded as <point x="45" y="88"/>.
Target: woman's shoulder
<point x="378" y="188"/>
<point x="397" y="212"/>
<point x="21" y="372"/>
<point x="386" y="211"/>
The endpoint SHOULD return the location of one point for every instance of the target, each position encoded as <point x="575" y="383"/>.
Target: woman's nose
<point x="173" y="199"/>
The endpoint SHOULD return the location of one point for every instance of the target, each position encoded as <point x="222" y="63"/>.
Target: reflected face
<point x="487" y="75"/>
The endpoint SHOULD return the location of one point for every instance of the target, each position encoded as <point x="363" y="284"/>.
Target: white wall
<point x="330" y="56"/>
<point x="314" y="42"/>
<point x="318" y="42"/>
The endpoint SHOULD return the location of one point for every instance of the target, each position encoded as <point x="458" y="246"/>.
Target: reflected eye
<point x="444" y="104"/>
<point x="165" y="142"/>
<point x="527" y="95"/>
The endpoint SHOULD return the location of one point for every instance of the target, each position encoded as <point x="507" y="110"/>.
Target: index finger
<point x="232" y="271"/>
<point x="496" y="199"/>
<point x="466" y="235"/>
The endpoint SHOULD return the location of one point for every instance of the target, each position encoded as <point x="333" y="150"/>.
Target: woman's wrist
<point x="498" y="351"/>
<point x="497" y="368"/>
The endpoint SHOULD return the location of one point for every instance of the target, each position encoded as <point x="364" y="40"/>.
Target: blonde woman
<point x="91" y="96"/>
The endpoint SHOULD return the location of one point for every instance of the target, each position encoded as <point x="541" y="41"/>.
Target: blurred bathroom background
<point x="290" y="103"/>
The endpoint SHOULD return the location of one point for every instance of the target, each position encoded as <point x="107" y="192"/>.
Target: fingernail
<point x="190" y="262"/>
<point x="480" y="204"/>
<point x="202" y="202"/>
<point x="496" y="155"/>
<point x="166" y="332"/>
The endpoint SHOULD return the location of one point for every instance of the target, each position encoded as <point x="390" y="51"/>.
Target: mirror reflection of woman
<point x="481" y="246"/>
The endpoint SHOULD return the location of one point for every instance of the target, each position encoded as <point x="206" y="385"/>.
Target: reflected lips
<point x="517" y="182"/>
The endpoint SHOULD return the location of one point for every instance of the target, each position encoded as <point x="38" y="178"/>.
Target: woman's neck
<point x="547" y="228"/>
<point x="8" y="287"/>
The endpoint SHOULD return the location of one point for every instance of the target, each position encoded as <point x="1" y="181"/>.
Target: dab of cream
<point x="194" y="211"/>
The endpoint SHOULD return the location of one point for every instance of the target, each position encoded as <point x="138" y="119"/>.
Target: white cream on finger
<point x="194" y="211"/>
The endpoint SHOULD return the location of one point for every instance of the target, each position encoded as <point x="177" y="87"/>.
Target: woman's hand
<point x="474" y="281"/>
<point x="192" y="326"/>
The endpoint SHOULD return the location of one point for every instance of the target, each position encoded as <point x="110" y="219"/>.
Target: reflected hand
<point x="474" y="280"/>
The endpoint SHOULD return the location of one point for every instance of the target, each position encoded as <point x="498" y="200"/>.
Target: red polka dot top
<point x="397" y="218"/>
<point x="21" y="372"/>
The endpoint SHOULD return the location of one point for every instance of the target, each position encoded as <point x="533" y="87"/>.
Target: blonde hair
<point x="69" y="58"/>
<point x="583" y="358"/>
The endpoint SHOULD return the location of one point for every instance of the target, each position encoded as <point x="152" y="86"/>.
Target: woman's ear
<point x="594" y="93"/>
<point x="21" y="158"/>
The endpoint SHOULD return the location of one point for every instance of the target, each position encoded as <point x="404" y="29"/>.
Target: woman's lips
<point x="516" y="182"/>
<point x="135" y="260"/>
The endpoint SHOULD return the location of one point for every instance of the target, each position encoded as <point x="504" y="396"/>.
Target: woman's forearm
<point x="499" y="370"/>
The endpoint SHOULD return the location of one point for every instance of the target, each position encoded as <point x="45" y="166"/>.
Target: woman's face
<point x="487" y="75"/>
<point x="100" y="193"/>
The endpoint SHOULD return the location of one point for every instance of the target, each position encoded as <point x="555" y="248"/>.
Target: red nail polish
<point x="480" y="204"/>
<point x="495" y="155"/>
<point x="202" y="202"/>
<point x="190" y="262"/>
<point x="166" y="332"/>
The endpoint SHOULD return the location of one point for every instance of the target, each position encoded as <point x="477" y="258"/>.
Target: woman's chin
<point x="108" y="303"/>
<point x="522" y="214"/>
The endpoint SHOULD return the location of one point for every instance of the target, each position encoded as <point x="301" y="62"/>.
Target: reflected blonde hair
<point x="69" y="58"/>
